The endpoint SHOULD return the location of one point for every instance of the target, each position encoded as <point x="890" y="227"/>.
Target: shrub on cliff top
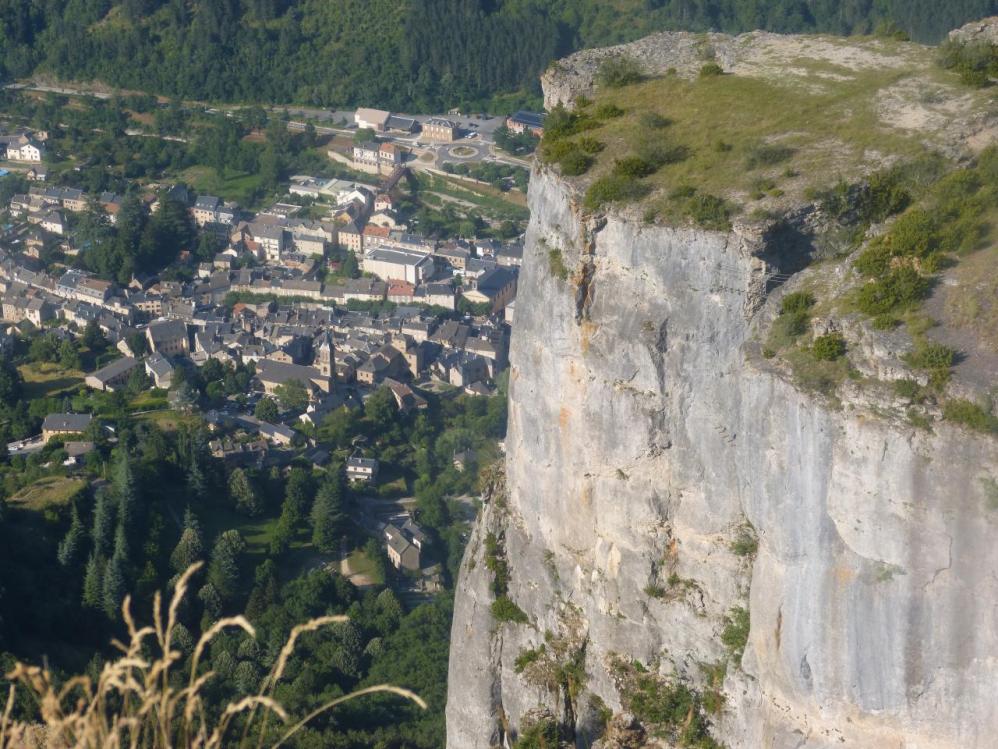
<point x="617" y="72"/>
<point x="929" y="355"/>
<point x="575" y="163"/>
<point x="976" y="63"/>
<point x="970" y="415"/>
<point x="540" y="735"/>
<point x="590" y="145"/>
<point x="634" y="167"/>
<point x="766" y="154"/>
<point x="653" y="121"/>
<point x="505" y="611"/>
<point x="736" y="632"/>
<point x="607" y="111"/>
<point x="828" y="347"/>
<point x="797" y="301"/>
<point x="898" y="290"/>
<point x="614" y="188"/>
<point x="709" y="212"/>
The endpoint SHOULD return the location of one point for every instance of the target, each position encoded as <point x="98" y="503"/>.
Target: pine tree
<point x="264" y="593"/>
<point x="120" y="543"/>
<point x="297" y="495"/>
<point x="246" y="677"/>
<point x="188" y="550"/>
<point x="223" y="572"/>
<point x="72" y="543"/>
<point x="328" y="518"/>
<point x="284" y="531"/>
<point x="127" y="490"/>
<point x="114" y="587"/>
<point x="211" y="601"/>
<point x="191" y="520"/>
<point x="195" y="478"/>
<point x="244" y="494"/>
<point x="93" y="582"/>
<point x="103" y="530"/>
<point x="349" y="646"/>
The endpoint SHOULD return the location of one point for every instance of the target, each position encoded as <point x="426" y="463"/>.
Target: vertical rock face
<point x="644" y="437"/>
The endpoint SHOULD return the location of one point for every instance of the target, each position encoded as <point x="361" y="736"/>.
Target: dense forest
<point x="424" y="55"/>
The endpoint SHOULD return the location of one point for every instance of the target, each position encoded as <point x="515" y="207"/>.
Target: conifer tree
<point x="223" y="572"/>
<point x="120" y="543"/>
<point x="328" y="518"/>
<point x="244" y="494"/>
<point x="264" y="593"/>
<point x="115" y="587"/>
<point x="127" y="491"/>
<point x="103" y="528"/>
<point x="93" y="582"/>
<point x="72" y="543"/>
<point x="188" y="550"/>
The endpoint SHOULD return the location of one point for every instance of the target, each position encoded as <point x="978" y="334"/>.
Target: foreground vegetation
<point x="141" y="697"/>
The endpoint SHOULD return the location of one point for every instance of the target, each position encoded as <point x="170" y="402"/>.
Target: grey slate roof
<point x="67" y="422"/>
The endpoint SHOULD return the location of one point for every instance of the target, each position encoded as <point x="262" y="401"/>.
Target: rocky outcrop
<point x="984" y="31"/>
<point x="646" y="436"/>
<point x="813" y="62"/>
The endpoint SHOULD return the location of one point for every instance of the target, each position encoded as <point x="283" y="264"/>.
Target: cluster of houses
<point x="289" y="255"/>
<point x="24" y="146"/>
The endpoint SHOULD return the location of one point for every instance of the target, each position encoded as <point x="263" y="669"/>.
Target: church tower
<point x="325" y="359"/>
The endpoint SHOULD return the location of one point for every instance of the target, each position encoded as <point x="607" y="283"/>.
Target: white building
<point x="271" y="241"/>
<point x="375" y="119"/>
<point x="22" y="148"/>
<point x="389" y="263"/>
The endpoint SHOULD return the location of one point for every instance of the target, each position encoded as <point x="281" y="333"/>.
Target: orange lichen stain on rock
<point x="844" y="574"/>
<point x="672" y="550"/>
<point x="563" y="416"/>
<point x="587" y="329"/>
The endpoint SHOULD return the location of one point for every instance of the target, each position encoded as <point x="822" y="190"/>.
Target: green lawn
<point x="167" y="420"/>
<point x="361" y="564"/>
<point x="46" y="380"/>
<point x="237" y="186"/>
<point x="51" y="491"/>
<point x="148" y="400"/>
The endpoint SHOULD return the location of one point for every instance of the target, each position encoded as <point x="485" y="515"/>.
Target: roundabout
<point x="462" y="152"/>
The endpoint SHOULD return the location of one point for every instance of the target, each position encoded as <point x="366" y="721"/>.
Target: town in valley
<point x="260" y="323"/>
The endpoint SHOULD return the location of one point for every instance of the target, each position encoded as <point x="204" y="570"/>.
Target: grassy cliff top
<point x="888" y="147"/>
<point x="757" y="121"/>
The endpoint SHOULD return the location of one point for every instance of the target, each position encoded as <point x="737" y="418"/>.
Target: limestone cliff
<point x="647" y="438"/>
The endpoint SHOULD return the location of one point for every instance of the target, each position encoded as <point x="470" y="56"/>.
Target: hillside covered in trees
<point x="424" y="55"/>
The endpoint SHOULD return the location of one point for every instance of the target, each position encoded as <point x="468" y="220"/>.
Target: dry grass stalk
<point x="136" y="701"/>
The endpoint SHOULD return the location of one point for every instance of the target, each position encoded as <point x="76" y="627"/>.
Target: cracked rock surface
<point x="643" y="436"/>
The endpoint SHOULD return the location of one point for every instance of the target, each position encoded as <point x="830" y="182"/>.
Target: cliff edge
<point x="694" y="544"/>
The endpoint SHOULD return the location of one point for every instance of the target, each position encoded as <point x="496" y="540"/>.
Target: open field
<point x="237" y="186"/>
<point x="48" y="492"/>
<point x="46" y="380"/>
